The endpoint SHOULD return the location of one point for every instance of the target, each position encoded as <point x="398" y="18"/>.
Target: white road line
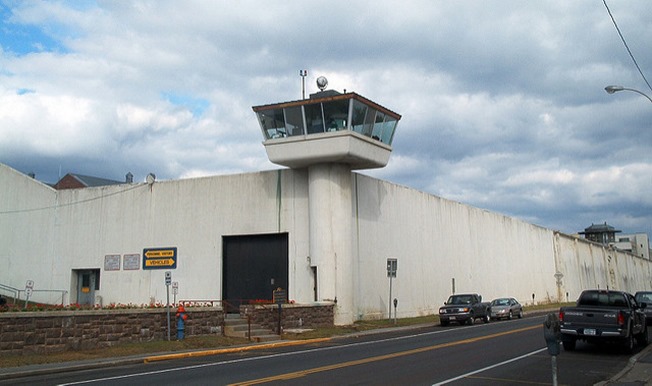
<point x="183" y="368"/>
<point x="251" y="358"/>
<point x="489" y="367"/>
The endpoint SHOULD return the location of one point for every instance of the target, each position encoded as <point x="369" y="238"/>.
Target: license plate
<point x="452" y="318"/>
<point x="589" y="331"/>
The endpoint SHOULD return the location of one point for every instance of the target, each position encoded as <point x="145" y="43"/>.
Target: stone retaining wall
<point x="292" y="315"/>
<point x="55" y="331"/>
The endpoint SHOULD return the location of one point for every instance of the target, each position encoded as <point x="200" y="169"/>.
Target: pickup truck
<point x="464" y="308"/>
<point x="604" y="316"/>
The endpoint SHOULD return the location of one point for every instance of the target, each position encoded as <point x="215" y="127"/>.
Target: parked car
<point x="505" y="308"/>
<point x="464" y="309"/>
<point x="645" y="297"/>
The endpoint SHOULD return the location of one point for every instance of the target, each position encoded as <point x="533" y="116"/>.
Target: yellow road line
<point x="302" y="373"/>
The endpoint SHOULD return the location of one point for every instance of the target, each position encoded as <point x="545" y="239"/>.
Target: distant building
<point x="76" y="181"/>
<point x="637" y="244"/>
<point x="600" y="233"/>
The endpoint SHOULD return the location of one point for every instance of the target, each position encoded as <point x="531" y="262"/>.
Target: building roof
<point x="599" y="228"/>
<point x="75" y="181"/>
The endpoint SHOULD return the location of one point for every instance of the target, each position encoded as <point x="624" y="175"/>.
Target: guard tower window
<point x="389" y="127"/>
<point x="294" y="124"/>
<point x="358" y="115"/>
<point x="314" y="118"/>
<point x="377" y="132"/>
<point x="272" y="123"/>
<point x="336" y="114"/>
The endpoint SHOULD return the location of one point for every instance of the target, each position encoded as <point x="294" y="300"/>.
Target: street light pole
<point x="614" y="89"/>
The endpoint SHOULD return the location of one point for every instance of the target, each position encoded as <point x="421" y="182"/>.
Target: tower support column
<point x="330" y="206"/>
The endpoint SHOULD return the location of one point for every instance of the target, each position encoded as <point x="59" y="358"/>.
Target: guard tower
<point x="601" y="233"/>
<point x="330" y="134"/>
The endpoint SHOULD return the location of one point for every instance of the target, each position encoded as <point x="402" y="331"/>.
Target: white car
<point x="505" y="308"/>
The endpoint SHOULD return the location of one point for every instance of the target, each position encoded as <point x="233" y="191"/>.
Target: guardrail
<point x="16" y="294"/>
<point x="14" y="291"/>
<point x="62" y="295"/>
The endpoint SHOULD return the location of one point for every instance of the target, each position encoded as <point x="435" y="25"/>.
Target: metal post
<point x="249" y="326"/>
<point x="168" y="281"/>
<point x="554" y="370"/>
<point x="167" y="287"/>
<point x="303" y="74"/>
<point x="390" y="297"/>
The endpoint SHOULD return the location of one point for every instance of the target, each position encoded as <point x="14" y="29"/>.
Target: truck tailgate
<point x="591" y="321"/>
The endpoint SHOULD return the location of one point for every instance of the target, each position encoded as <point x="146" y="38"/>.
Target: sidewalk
<point x="637" y="372"/>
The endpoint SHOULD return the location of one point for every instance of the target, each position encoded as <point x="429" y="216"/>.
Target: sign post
<point x="29" y="288"/>
<point x="392" y="263"/>
<point x="168" y="281"/>
<point x="280" y="296"/>
<point x="175" y="291"/>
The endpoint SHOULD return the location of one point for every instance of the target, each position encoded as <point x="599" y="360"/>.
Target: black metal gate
<point x="253" y="267"/>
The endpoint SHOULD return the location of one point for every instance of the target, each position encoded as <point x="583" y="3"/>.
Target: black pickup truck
<point x="463" y="308"/>
<point x="604" y="315"/>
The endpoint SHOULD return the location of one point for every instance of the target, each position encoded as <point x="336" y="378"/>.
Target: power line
<point x="71" y="203"/>
<point x="626" y="46"/>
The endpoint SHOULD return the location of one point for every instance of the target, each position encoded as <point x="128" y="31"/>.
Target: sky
<point x="503" y="103"/>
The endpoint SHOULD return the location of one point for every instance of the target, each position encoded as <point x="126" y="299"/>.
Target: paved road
<point x="499" y="353"/>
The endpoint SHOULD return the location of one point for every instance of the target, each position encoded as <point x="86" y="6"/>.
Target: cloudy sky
<point x="503" y="102"/>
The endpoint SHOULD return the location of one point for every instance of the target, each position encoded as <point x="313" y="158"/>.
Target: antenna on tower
<point x="303" y="74"/>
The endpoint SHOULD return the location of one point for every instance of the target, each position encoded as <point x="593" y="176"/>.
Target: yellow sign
<point x="155" y="258"/>
<point x="159" y="262"/>
<point x="156" y="253"/>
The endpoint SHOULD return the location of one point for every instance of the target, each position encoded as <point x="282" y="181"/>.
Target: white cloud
<point x="502" y="101"/>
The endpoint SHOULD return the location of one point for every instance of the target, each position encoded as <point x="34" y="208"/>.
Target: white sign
<point x="112" y="262"/>
<point x="29" y="284"/>
<point x="131" y="262"/>
<point x="392" y="264"/>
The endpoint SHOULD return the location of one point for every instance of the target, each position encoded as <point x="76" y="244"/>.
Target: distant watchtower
<point x="600" y="233"/>
<point x="330" y="134"/>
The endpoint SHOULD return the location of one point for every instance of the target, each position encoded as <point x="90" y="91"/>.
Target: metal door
<point x="86" y="281"/>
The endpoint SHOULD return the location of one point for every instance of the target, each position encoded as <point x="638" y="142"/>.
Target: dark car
<point x="645" y="297"/>
<point x="505" y="308"/>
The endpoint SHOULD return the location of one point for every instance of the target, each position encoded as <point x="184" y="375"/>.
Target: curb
<point x="630" y="365"/>
<point x="156" y="358"/>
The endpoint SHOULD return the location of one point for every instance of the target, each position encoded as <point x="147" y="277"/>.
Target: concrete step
<point x="240" y="328"/>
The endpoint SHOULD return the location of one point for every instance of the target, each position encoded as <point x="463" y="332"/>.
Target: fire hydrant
<point x="181" y="322"/>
